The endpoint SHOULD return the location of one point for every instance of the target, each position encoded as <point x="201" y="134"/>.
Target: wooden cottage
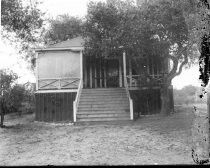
<point x="73" y="87"/>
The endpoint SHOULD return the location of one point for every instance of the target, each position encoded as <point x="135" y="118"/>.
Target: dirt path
<point x="149" y="140"/>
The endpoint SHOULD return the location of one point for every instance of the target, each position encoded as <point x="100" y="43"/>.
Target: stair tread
<point x="103" y="104"/>
<point x="103" y="119"/>
<point x="102" y="111"/>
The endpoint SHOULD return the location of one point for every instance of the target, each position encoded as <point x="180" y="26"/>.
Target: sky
<point x="9" y="58"/>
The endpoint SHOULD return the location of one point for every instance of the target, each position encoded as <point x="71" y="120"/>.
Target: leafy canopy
<point x="152" y="29"/>
<point x="22" y="26"/>
<point x="62" y="28"/>
<point x="23" y="20"/>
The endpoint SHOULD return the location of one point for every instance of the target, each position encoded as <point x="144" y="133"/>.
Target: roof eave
<point x="74" y="49"/>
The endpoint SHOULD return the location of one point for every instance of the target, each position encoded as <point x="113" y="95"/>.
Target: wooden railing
<point x="76" y="102"/>
<point x="129" y="97"/>
<point x="58" y="83"/>
<point x="141" y="81"/>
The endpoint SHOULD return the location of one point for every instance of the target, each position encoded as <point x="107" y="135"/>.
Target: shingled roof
<point x="75" y="44"/>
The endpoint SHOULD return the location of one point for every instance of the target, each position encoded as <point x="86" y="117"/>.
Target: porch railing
<point x="58" y="83"/>
<point x="142" y="81"/>
<point x="129" y="97"/>
<point x="76" y="102"/>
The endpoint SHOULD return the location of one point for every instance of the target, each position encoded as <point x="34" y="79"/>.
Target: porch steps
<point x="105" y="104"/>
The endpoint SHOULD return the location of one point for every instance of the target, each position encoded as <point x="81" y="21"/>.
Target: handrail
<point x="75" y="103"/>
<point x="59" y="78"/>
<point x="129" y="97"/>
<point x="155" y="78"/>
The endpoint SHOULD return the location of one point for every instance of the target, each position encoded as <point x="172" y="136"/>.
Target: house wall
<point x="147" y="101"/>
<point x="58" y="64"/>
<point x="54" y="107"/>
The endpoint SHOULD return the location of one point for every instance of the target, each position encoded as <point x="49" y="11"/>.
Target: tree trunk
<point x="165" y="100"/>
<point x="2" y="115"/>
<point x="2" y="120"/>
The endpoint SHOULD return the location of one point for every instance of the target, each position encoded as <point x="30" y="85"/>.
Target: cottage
<point x="73" y="87"/>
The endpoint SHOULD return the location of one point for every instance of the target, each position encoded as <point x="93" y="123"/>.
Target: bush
<point x="12" y="94"/>
<point x="188" y="95"/>
<point x="15" y="98"/>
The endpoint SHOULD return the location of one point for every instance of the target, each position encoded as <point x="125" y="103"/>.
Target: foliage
<point x="29" y="96"/>
<point x="22" y="25"/>
<point x="13" y="101"/>
<point x="12" y="94"/>
<point x="188" y="95"/>
<point x="62" y="28"/>
<point x="23" y="20"/>
<point x="7" y="79"/>
<point x="150" y="30"/>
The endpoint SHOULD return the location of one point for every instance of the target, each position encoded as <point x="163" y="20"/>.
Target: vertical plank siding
<point x="148" y="102"/>
<point x="54" y="107"/>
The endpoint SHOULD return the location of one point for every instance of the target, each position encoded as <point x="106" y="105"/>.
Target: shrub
<point x="15" y="98"/>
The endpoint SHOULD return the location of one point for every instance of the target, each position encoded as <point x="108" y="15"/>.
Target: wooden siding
<point x="147" y="101"/>
<point x="54" y="107"/>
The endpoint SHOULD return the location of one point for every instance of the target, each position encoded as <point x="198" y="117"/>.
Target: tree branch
<point x="175" y="65"/>
<point x="172" y="75"/>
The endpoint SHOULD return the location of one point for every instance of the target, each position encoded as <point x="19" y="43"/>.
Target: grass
<point x="148" y="140"/>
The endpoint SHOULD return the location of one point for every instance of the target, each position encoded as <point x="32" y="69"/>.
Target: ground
<point x="148" y="140"/>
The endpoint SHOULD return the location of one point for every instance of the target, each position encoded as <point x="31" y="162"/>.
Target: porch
<point x="66" y="72"/>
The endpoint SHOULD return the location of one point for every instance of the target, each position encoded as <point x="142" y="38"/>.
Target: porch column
<point x="91" y="84"/>
<point x="124" y="67"/>
<point x="120" y="71"/>
<point x="105" y="75"/>
<point x="37" y="65"/>
<point x="85" y="70"/>
<point x="81" y="67"/>
<point x="100" y="64"/>
<point x="95" y="75"/>
<point x="130" y="73"/>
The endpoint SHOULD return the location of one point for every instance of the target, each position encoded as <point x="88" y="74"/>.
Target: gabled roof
<point x="75" y="44"/>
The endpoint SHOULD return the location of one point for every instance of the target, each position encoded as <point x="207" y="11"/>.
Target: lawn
<point x="148" y="140"/>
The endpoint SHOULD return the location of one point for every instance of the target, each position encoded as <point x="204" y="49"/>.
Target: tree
<point x="12" y="94"/>
<point x="156" y="29"/>
<point x="7" y="79"/>
<point x="23" y="20"/>
<point x="62" y="28"/>
<point x="22" y="25"/>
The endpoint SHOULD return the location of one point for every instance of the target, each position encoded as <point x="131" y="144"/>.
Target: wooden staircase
<point x="103" y="104"/>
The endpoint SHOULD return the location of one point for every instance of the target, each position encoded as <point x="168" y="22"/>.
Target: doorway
<point x="101" y="73"/>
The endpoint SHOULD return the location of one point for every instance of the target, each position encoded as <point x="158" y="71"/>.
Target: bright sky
<point x="9" y="57"/>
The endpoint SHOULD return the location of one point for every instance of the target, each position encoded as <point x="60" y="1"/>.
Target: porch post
<point x="130" y="73"/>
<point x="120" y="72"/>
<point x="95" y="74"/>
<point x="100" y="73"/>
<point x="124" y="67"/>
<point x="91" y="85"/>
<point x="85" y="70"/>
<point x="81" y="67"/>
<point x="148" y="66"/>
<point x="105" y="75"/>
<point x="37" y="77"/>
